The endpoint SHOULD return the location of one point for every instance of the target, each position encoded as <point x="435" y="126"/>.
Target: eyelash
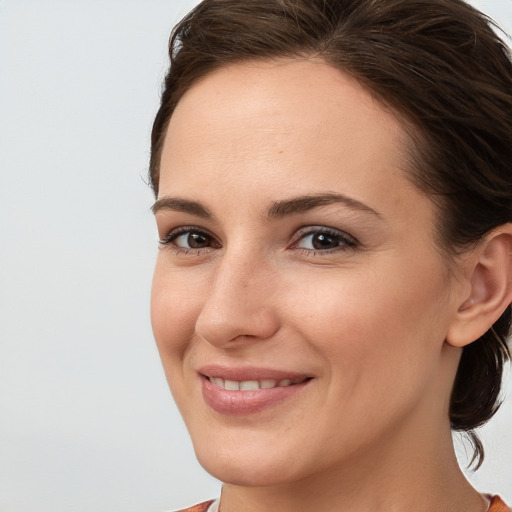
<point x="345" y="241"/>
<point x="168" y="240"/>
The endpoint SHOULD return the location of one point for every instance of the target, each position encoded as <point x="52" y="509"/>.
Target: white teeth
<point x="249" y="385"/>
<point x="218" y="381"/>
<point x="252" y="385"/>
<point x="231" y="385"/>
<point x="268" y="383"/>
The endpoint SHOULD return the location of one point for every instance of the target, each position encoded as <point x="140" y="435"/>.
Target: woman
<point x="332" y="295"/>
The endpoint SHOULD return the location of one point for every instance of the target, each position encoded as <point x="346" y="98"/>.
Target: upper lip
<point x="244" y="373"/>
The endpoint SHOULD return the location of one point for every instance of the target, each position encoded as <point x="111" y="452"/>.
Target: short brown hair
<point x="437" y="63"/>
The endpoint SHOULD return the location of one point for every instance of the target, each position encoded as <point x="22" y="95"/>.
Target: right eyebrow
<point x="178" y="204"/>
<point x="297" y="205"/>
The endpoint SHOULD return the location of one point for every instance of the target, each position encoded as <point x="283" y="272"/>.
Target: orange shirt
<point x="497" y="505"/>
<point x="202" y="507"/>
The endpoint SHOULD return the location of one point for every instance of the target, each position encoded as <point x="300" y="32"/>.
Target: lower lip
<point x="246" y="402"/>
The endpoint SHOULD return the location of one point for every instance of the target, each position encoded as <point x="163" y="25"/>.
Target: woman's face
<point x="297" y="263"/>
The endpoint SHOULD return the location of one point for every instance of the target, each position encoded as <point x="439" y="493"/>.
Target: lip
<point x="242" y="402"/>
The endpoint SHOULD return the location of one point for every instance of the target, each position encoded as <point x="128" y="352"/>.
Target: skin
<point x="367" y="318"/>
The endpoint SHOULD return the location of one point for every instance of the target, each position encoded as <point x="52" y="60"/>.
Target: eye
<point x="189" y="238"/>
<point x="192" y="241"/>
<point x="324" y="239"/>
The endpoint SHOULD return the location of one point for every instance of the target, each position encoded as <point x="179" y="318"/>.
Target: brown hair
<point x="440" y="66"/>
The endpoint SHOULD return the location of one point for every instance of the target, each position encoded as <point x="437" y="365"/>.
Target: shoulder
<point x="201" y="507"/>
<point x="497" y="505"/>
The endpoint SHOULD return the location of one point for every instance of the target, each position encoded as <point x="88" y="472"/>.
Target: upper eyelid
<point x="172" y="234"/>
<point x="187" y="229"/>
<point x="308" y="230"/>
<point x="298" y="234"/>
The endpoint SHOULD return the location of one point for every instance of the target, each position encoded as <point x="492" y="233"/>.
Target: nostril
<point x="227" y="327"/>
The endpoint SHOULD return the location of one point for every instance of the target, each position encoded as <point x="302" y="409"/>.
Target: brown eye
<point x="192" y="240"/>
<point x="189" y="238"/>
<point x="197" y="240"/>
<point x="322" y="241"/>
<point x="325" y="239"/>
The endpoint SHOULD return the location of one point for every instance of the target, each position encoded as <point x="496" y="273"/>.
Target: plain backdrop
<point x="86" y="420"/>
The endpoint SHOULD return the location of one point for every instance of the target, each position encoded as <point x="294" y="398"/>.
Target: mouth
<point x="247" y="391"/>
<point x="253" y="385"/>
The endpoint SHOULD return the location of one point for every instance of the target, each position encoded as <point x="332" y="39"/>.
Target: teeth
<point x="231" y="385"/>
<point x="252" y="385"/>
<point x="249" y="385"/>
<point x="268" y="383"/>
<point x="218" y="381"/>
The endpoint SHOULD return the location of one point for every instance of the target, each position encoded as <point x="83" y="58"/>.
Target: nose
<point x="238" y="305"/>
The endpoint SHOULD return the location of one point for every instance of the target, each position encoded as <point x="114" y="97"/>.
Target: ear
<point x="489" y="276"/>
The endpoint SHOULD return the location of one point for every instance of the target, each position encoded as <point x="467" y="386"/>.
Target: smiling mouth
<point x="249" y="395"/>
<point x="253" y="385"/>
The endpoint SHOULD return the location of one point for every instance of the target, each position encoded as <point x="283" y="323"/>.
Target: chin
<point x="242" y="473"/>
<point x="249" y="466"/>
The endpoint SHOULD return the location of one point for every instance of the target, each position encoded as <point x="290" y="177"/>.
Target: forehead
<point x="271" y="107"/>
<point x="288" y="126"/>
<point x="285" y="93"/>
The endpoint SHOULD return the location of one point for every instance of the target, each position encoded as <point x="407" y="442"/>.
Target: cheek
<point x="380" y="340"/>
<point x="174" y="309"/>
<point x="373" y="321"/>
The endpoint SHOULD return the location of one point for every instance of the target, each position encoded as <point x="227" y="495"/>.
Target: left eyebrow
<point x="182" y="205"/>
<point x="301" y="204"/>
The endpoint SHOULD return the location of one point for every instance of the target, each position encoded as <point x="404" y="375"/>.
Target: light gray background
<point x="86" y="420"/>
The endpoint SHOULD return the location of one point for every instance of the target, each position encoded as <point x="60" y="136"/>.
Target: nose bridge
<point x="238" y="302"/>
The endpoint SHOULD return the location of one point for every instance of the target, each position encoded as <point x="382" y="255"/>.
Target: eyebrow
<point x="276" y="210"/>
<point x="178" y="204"/>
<point x="304" y="203"/>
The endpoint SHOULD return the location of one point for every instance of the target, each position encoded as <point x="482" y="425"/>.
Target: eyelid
<point x="349" y="241"/>
<point x="167" y="240"/>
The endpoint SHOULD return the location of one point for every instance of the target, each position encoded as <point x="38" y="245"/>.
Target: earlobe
<point x="490" y="288"/>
